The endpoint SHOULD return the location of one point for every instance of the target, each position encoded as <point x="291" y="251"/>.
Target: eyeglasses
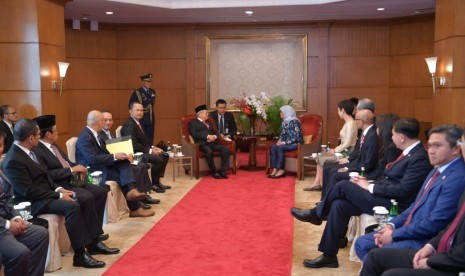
<point x="13" y="113"/>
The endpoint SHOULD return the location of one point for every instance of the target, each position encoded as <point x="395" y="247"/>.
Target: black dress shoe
<point x="270" y="176"/>
<point x="223" y="174"/>
<point x="87" y="261"/>
<point x="216" y="175"/>
<point x="150" y="200"/>
<point x="322" y="261"/>
<point x="103" y="237"/>
<point x="158" y="189"/>
<point x="166" y="187"/>
<point x="145" y="206"/>
<point x="306" y="215"/>
<point x="101" y="248"/>
<point x="343" y="242"/>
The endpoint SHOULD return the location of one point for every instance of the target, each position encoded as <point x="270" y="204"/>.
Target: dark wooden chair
<point x="199" y="163"/>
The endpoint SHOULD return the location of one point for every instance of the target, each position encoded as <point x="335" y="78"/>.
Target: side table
<point x="307" y="162"/>
<point x="181" y="161"/>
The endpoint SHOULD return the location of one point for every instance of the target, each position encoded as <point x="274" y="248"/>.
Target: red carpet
<point x="239" y="226"/>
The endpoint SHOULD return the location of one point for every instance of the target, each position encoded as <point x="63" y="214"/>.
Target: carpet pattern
<point x="237" y="226"/>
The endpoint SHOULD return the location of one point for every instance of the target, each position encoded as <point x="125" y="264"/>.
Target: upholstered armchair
<point x="198" y="158"/>
<point x="312" y="126"/>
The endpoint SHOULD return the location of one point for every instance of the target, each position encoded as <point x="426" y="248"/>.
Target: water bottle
<point x="391" y="210"/>
<point x="226" y="129"/>
<point x="88" y="176"/>
<point x="362" y="172"/>
<point x="345" y="153"/>
<point x="328" y="146"/>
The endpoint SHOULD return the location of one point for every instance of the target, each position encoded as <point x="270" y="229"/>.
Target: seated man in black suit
<point x="141" y="143"/>
<point x="143" y="183"/>
<point x="364" y="155"/>
<point x="9" y="117"/>
<point x="91" y="151"/>
<point x="23" y="249"/>
<point x="207" y="136"/>
<point x="62" y="170"/>
<point x="401" y="181"/>
<point x="31" y="182"/>
<point x="224" y="120"/>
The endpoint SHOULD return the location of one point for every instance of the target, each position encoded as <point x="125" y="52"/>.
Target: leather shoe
<point x="306" y="215"/>
<point x="87" y="261"/>
<point x="150" y="200"/>
<point x="158" y="189"/>
<point x="322" y="261"/>
<point x="141" y="213"/>
<point x="223" y="174"/>
<point x="216" y="175"/>
<point x="103" y="237"/>
<point x="166" y="187"/>
<point x="146" y="206"/>
<point x="101" y="248"/>
<point x="135" y="195"/>
<point x="312" y="189"/>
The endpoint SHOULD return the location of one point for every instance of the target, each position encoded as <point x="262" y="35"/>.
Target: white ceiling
<point x="221" y="11"/>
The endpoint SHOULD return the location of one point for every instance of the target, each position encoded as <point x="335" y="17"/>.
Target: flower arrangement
<point x="252" y="105"/>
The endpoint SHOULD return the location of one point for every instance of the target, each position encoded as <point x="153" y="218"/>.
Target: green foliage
<point x="242" y="121"/>
<point x="272" y="110"/>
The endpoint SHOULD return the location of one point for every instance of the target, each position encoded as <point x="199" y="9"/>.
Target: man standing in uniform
<point x="145" y="95"/>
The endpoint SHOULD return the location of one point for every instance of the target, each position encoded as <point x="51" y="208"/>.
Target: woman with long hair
<point x="290" y="137"/>
<point x="348" y="136"/>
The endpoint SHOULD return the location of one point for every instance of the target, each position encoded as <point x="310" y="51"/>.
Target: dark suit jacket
<point x="104" y="136"/>
<point x="7" y="212"/>
<point x="367" y="156"/>
<point x="199" y="131"/>
<point x="228" y="121"/>
<point x="390" y="155"/>
<point x="61" y="176"/>
<point x="436" y="209"/>
<point x="9" y="136"/>
<point x="140" y="142"/>
<point x="454" y="260"/>
<point x="90" y="154"/>
<point x="31" y="181"/>
<point x="403" y="179"/>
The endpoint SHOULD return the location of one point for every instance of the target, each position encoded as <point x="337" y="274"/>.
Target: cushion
<point x="308" y="139"/>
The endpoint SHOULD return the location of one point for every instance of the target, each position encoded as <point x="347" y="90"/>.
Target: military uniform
<point x="146" y="97"/>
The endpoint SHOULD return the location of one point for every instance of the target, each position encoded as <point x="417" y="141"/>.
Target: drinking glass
<point x="26" y="211"/>
<point x="380" y="214"/>
<point x="138" y="157"/>
<point x="96" y="177"/>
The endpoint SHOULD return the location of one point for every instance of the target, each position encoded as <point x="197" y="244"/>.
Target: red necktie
<point x="445" y="241"/>
<point x="398" y="158"/>
<point x="138" y="124"/>
<point x="205" y="123"/>
<point x="425" y="191"/>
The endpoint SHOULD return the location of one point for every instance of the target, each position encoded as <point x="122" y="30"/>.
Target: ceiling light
<point x="109" y="12"/>
<point x="249" y="13"/>
<point x="380" y="9"/>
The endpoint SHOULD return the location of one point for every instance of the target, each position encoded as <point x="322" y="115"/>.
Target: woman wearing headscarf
<point x="290" y="137"/>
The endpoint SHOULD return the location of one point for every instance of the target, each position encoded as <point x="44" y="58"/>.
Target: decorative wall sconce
<point x="431" y="62"/>
<point x="62" y="67"/>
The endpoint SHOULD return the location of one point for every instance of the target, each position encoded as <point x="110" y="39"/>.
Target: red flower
<point x="247" y="110"/>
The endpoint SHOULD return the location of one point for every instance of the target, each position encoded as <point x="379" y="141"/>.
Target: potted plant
<point x="272" y="110"/>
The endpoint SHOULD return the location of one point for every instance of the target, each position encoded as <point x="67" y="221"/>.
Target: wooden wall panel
<point x="151" y="44"/>
<point x="91" y="45"/>
<point x="409" y="70"/>
<point x="21" y="19"/>
<point x="27" y="104"/>
<point x="414" y="36"/>
<point x="19" y="67"/>
<point x="451" y="20"/>
<point x="50" y="30"/>
<point x="359" y="39"/>
<point x="95" y="74"/>
<point x="359" y="71"/>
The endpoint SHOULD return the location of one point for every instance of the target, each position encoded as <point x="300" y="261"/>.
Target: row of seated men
<point x="428" y="235"/>
<point x="36" y="170"/>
